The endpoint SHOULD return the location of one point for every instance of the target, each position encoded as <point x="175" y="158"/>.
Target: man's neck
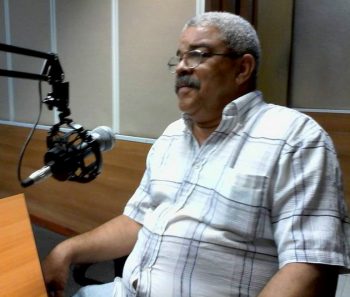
<point x="202" y="132"/>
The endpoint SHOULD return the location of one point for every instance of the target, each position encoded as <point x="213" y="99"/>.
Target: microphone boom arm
<point x="52" y="72"/>
<point x="74" y="155"/>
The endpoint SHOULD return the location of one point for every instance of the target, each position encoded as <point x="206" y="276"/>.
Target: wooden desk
<point x="20" y="271"/>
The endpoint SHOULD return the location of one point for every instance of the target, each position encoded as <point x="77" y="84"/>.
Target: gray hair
<point x="238" y="33"/>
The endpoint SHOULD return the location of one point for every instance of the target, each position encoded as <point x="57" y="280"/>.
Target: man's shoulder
<point x="175" y="128"/>
<point x="291" y="117"/>
<point x="280" y="121"/>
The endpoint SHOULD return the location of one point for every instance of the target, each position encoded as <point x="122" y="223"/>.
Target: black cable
<point x="30" y="135"/>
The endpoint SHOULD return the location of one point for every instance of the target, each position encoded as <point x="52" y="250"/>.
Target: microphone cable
<point x="30" y="135"/>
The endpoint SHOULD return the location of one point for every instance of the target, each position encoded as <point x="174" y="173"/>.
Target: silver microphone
<point x="104" y="136"/>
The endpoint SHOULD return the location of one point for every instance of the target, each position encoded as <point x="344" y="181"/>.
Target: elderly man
<point x="239" y="197"/>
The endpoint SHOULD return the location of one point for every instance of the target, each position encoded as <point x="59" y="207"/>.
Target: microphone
<point x="69" y="155"/>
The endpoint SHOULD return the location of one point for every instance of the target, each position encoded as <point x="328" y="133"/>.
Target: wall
<point x="320" y="72"/>
<point x="68" y="207"/>
<point x="149" y="33"/>
<point x="274" y="26"/>
<point x="84" y="45"/>
<point x="114" y="54"/>
<point x="28" y="25"/>
<point x="4" y="104"/>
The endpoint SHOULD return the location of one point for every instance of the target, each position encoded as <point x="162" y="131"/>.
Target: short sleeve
<point x="309" y="215"/>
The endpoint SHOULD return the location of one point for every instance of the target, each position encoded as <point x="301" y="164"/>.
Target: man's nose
<point x="182" y="67"/>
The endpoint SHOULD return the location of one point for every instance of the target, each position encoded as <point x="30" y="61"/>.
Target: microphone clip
<point x="72" y="155"/>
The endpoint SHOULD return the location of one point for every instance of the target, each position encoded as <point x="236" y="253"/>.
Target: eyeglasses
<point x="193" y="58"/>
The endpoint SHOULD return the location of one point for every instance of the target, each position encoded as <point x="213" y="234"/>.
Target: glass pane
<point x="320" y="63"/>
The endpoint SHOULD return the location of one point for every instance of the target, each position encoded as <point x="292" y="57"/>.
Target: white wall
<point x="148" y="37"/>
<point x="113" y="53"/>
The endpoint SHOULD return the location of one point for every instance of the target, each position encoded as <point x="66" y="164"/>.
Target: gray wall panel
<point x="320" y="76"/>
<point x="4" y="101"/>
<point x="85" y="50"/>
<point x="149" y="32"/>
<point x="30" y="28"/>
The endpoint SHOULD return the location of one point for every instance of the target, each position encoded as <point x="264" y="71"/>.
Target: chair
<point x="80" y="271"/>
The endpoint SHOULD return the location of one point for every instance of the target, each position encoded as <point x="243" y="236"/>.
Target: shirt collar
<point x="238" y="110"/>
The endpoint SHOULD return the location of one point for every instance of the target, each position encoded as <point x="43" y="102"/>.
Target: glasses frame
<point x="203" y="55"/>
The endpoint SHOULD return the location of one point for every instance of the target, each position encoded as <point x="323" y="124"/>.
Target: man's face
<point x="213" y="81"/>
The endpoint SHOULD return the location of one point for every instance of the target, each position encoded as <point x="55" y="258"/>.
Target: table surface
<point x="20" y="271"/>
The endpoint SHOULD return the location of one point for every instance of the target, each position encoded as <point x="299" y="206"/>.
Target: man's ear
<point x="246" y="68"/>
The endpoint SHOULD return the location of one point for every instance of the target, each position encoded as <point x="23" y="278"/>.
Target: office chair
<point x="80" y="270"/>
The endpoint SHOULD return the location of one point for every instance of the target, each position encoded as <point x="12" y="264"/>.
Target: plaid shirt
<point x="220" y="219"/>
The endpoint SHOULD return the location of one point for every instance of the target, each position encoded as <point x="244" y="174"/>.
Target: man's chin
<point x="186" y="105"/>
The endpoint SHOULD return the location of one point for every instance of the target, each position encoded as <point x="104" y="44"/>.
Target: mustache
<point x="186" y="81"/>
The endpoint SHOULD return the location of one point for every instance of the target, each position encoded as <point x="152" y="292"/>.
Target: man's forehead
<point x="200" y="36"/>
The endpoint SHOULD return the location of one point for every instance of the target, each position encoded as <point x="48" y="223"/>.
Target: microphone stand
<point x="52" y="72"/>
<point x="66" y="152"/>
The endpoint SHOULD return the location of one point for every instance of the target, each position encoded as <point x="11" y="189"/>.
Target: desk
<point x="20" y="271"/>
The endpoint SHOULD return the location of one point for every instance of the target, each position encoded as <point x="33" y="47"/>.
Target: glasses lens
<point x="193" y="59"/>
<point x="173" y="62"/>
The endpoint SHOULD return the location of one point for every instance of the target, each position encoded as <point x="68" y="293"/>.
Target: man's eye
<point x="194" y="54"/>
<point x="197" y="54"/>
<point x="206" y="55"/>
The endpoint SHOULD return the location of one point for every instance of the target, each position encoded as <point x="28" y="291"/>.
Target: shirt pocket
<point x="241" y="208"/>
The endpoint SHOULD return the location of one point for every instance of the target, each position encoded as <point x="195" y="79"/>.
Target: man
<point x="239" y="198"/>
